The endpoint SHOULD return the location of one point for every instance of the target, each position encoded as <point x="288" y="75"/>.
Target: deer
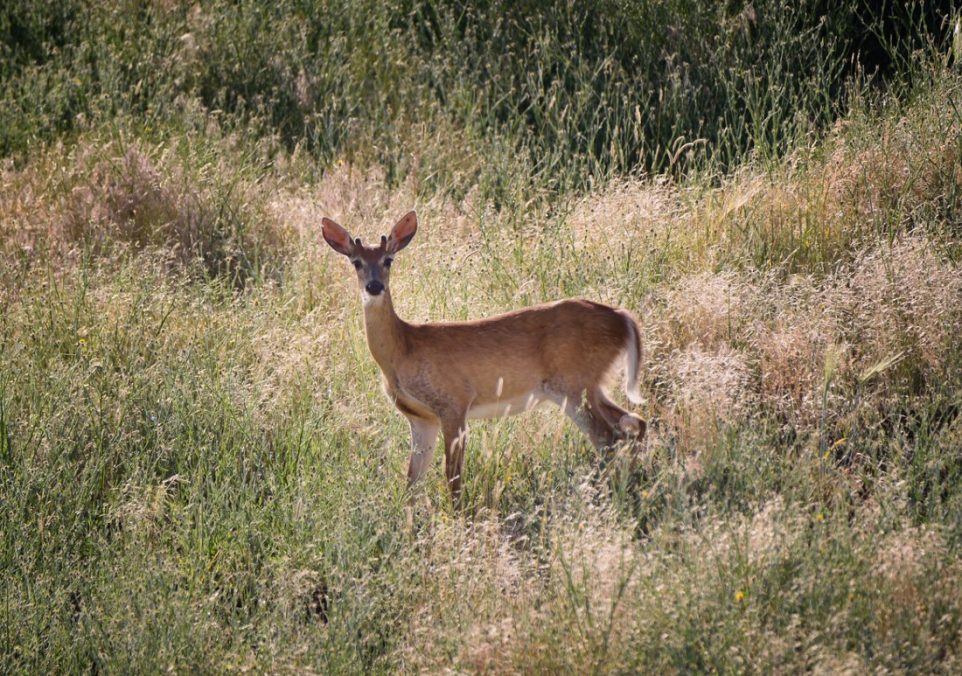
<point x="439" y="375"/>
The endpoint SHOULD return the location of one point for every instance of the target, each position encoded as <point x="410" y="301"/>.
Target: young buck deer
<point x="438" y="375"/>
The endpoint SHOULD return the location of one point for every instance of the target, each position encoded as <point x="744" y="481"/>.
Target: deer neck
<point x="385" y="331"/>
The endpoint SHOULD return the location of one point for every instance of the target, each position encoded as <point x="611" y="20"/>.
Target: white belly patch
<point x="505" y="407"/>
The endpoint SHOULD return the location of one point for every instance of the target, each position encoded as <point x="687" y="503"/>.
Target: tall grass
<point x="199" y="472"/>
<point x="581" y="90"/>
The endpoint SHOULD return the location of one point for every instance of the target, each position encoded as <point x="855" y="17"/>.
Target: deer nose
<point x="374" y="287"/>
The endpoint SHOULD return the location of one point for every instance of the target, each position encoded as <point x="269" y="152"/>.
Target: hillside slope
<point x="199" y="471"/>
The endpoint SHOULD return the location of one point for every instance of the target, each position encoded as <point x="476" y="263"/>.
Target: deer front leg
<point x="424" y="436"/>
<point x="455" y="436"/>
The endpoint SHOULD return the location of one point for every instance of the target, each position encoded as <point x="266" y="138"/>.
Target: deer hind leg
<point x="424" y="436"/>
<point x="455" y="436"/>
<point x="616" y="417"/>
<point x="583" y="414"/>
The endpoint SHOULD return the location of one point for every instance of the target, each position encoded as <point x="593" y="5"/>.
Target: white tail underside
<point x="633" y="359"/>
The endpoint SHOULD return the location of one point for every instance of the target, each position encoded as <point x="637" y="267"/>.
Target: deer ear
<point x="402" y="232"/>
<point x="337" y="237"/>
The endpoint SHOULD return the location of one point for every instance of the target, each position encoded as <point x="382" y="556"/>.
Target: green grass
<point x="575" y="91"/>
<point x="198" y="468"/>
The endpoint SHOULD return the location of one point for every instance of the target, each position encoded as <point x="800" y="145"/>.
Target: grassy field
<point x="199" y="471"/>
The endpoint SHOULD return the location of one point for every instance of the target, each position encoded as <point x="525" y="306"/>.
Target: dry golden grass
<point x="103" y="194"/>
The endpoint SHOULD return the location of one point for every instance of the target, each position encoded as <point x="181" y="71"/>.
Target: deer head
<point x="372" y="263"/>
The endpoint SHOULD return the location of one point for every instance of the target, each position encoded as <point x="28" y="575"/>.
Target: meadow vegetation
<point x="199" y="471"/>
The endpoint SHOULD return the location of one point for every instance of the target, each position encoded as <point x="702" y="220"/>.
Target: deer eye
<point x="387" y="262"/>
<point x="357" y="265"/>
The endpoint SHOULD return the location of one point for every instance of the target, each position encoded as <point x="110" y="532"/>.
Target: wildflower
<point x="820" y="517"/>
<point x="739" y="596"/>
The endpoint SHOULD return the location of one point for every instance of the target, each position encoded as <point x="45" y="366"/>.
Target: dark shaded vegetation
<point x="582" y="89"/>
